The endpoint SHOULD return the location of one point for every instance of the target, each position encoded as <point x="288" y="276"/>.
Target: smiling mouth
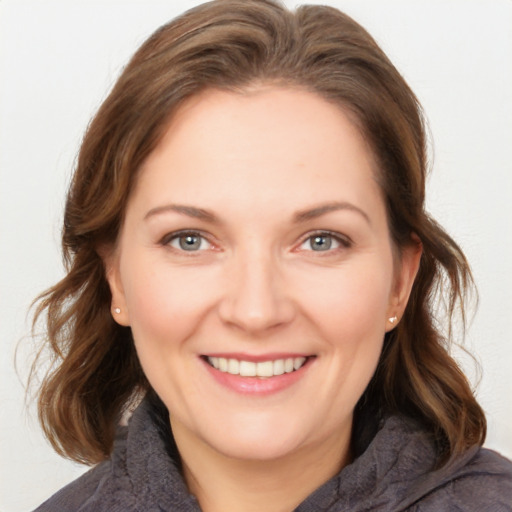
<point x="262" y="369"/>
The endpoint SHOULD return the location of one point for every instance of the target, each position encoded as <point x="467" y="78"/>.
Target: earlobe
<point x="118" y="307"/>
<point x="406" y="271"/>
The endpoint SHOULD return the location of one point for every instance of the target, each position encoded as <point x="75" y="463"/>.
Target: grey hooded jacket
<point x="393" y="474"/>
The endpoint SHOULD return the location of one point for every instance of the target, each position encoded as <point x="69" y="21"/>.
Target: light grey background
<point x="59" y="58"/>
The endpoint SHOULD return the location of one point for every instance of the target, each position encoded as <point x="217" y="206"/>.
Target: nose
<point x="255" y="297"/>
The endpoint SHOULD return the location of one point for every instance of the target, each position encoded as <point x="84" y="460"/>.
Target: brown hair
<point x="233" y="45"/>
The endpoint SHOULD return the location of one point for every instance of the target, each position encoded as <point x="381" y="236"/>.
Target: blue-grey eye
<point x="189" y="242"/>
<point x="320" y="242"/>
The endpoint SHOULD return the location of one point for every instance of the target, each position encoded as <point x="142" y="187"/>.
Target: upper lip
<point x="257" y="358"/>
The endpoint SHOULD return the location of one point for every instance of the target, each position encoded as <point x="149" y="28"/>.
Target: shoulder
<point x="141" y="474"/>
<point x="77" y="495"/>
<point x="482" y="483"/>
<point x="488" y="463"/>
<point x="96" y="489"/>
<point x="479" y="481"/>
<point x="397" y="473"/>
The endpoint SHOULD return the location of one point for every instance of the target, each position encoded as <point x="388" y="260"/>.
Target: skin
<point x="258" y="284"/>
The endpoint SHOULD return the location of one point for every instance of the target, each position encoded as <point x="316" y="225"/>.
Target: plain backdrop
<point x="58" y="59"/>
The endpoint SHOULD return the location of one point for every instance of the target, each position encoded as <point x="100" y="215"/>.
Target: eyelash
<point x="342" y="240"/>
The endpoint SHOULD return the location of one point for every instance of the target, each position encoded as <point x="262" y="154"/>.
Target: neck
<point x="223" y="483"/>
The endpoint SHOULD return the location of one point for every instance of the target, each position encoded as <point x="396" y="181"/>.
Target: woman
<point x="252" y="268"/>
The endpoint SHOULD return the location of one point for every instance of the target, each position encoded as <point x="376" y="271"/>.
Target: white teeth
<point x="234" y="366"/>
<point x="261" y="369"/>
<point x="279" y="367"/>
<point x="247" y="369"/>
<point x="265" y="369"/>
<point x="298" y="362"/>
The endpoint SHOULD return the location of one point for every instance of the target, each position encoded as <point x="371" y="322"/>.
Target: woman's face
<point x="256" y="271"/>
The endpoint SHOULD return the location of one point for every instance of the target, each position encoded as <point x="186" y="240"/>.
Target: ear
<point x="406" y="269"/>
<point x="118" y="307"/>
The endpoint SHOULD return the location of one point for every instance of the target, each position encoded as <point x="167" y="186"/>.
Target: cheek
<point x="165" y="304"/>
<point x="352" y="300"/>
<point x="349" y="314"/>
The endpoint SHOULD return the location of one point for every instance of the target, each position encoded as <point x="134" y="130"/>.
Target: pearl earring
<point x="393" y="319"/>
<point x="117" y="310"/>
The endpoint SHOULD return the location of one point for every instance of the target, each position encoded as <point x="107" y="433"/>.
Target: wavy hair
<point x="234" y="45"/>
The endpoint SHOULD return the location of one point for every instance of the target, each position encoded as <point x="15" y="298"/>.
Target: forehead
<point x="269" y="145"/>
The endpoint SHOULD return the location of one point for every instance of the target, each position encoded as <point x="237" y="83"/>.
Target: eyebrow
<point x="318" y="211"/>
<point x="300" y="216"/>
<point x="189" y="211"/>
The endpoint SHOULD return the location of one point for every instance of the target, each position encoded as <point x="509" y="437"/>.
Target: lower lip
<point x="256" y="385"/>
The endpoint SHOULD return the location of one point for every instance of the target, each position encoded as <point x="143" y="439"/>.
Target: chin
<point x="256" y="450"/>
<point x="257" y="441"/>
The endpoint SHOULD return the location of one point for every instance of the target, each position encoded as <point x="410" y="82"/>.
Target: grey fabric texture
<point x="393" y="474"/>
